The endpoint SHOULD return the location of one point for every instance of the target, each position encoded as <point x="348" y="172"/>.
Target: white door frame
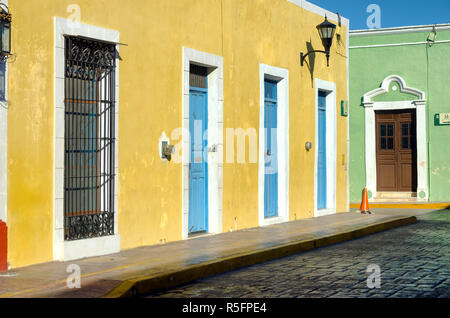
<point x="4" y="152"/>
<point x="370" y="133"/>
<point x="215" y="138"/>
<point x="281" y="76"/>
<point x="4" y="147"/>
<point x="331" y="146"/>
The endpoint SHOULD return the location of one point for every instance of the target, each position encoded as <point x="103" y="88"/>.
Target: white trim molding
<point x="320" y="11"/>
<point x="385" y="89"/>
<point x="4" y="147"/>
<point x="214" y="64"/>
<point x="347" y="161"/>
<point x="331" y="146"/>
<point x="4" y="155"/>
<point x="400" y="30"/>
<point x="370" y="133"/>
<point x="70" y="250"/>
<point x="281" y="76"/>
<point x="398" y="44"/>
<point x="3" y="161"/>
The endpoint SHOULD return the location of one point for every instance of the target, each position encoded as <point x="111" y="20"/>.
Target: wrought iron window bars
<point x="89" y="138"/>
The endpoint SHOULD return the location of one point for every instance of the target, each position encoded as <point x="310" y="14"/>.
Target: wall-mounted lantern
<point x="5" y="32"/>
<point x="326" y="31"/>
<point x="167" y="150"/>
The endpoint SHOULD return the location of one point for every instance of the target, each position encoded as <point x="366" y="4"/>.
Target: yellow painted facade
<point x="245" y="33"/>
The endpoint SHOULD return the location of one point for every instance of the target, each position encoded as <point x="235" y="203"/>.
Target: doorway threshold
<point x="198" y="235"/>
<point x="394" y="197"/>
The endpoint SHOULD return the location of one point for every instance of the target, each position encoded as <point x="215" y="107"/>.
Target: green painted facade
<point x="423" y="67"/>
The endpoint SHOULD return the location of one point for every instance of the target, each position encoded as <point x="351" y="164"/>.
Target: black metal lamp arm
<point x="303" y="57"/>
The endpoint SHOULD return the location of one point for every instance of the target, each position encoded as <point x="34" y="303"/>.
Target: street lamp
<point x="5" y="32"/>
<point x="326" y="32"/>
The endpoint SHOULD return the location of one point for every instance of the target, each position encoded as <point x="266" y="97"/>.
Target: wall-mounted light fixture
<point x="308" y="145"/>
<point x="432" y="36"/>
<point x="5" y="32"/>
<point x="344" y="108"/>
<point x="326" y="31"/>
<point x="167" y="150"/>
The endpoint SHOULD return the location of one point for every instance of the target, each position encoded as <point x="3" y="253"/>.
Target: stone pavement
<point x="99" y="275"/>
<point x="414" y="262"/>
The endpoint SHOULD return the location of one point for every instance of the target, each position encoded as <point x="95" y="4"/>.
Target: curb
<point x="417" y="206"/>
<point x="148" y="284"/>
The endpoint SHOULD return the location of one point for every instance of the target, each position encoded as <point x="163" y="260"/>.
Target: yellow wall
<point x="245" y="32"/>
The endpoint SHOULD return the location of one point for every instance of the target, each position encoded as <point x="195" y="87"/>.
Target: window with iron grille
<point x="89" y="138"/>
<point x="198" y="76"/>
<point x="2" y="81"/>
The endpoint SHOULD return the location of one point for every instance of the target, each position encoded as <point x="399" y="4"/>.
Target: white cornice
<point x="320" y="11"/>
<point x="368" y="97"/>
<point x="397" y="44"/>
<point x="400" y="30"/>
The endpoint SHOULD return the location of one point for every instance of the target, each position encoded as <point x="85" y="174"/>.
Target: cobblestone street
<point x="414" y="262"/>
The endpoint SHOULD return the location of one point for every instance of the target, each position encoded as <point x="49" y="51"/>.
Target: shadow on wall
<point x="311" y="60"/>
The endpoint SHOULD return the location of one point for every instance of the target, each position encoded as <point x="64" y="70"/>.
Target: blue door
<point x="322" y="152"/>
<point x="270" y="150"/>
<point x="198" y="168"/>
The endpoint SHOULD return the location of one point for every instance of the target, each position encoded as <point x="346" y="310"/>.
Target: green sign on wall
<point x="442" y="119"/>
<point x="344" y="108"/>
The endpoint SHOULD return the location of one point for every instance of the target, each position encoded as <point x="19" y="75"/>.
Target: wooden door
<point x="396" y="151"/>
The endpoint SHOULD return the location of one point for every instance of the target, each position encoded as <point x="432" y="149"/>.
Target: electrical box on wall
<point x="442" y="119"/>
<point x="344" y="108"/>
<point x="166" y="150"/>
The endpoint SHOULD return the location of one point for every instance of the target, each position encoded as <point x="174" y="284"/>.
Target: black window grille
<point x="198" y="76"/>
<point x="2" y="81"/>
<point x="89" y="138"/>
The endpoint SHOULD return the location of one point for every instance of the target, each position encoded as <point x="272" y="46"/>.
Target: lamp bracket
<point x="303" y="56"/>
<point x="4" y="12"/>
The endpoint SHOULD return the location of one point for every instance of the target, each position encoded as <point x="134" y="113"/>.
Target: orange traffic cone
<point x="365" y="203"/>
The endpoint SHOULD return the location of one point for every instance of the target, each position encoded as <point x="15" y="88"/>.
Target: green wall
<point x="422" y="67"/>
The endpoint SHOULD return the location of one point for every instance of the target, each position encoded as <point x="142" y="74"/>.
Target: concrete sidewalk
<point x="142" y="270"/>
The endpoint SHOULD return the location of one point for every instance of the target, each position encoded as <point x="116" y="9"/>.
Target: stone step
<point x="392" y="200"/>
<point x="396" y="195"/>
